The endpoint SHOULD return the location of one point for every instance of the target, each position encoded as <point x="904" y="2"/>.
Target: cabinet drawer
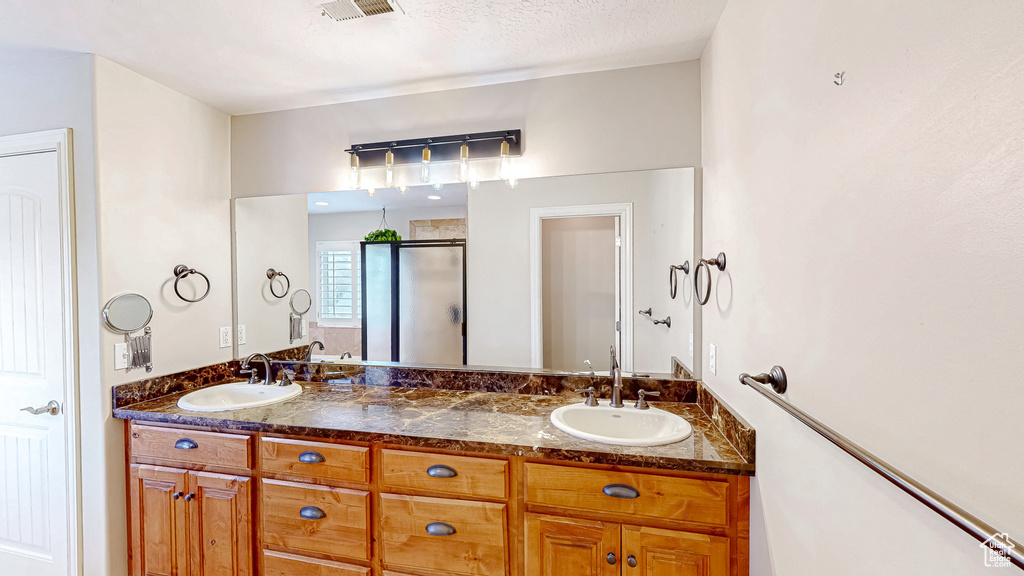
<point x="449" y="536"/>
<point x="648" y="495"/>
<point x="311" y="518"/>
<point x="182" y="445"/>
<point x="454" y="475"/>
<point x="315" y="460"/>
<point x="284" y="564"/>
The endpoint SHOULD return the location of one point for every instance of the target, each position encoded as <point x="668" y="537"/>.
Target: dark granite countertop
<point x="489" y="422"/>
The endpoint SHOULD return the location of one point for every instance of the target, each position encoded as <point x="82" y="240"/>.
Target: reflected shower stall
<point x="414" y="301"/>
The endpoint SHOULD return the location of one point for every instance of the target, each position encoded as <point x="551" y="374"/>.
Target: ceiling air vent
<point x="352" y="9"/>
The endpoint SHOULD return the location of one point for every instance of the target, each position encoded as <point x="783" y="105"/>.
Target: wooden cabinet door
<point x="158" y="544"/>
<point x="562" y="546"/>
<point x="671" y="553"/>
<point x="219" y="524"/>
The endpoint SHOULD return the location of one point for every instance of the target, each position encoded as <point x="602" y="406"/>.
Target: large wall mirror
<point x="547" y="275"/>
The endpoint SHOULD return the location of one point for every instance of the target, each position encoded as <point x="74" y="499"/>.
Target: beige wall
<point x="498" y="261"/>
<point x="163" y="193"/>
<point x="630" y="119"/>
<point x="269" y="233"/>
<point x="874" y="242"/>
<point x="578" y="267"/>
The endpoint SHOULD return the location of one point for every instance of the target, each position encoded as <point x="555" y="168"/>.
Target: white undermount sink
<point x="236" y="395"/>
<point x="624" y="426"/>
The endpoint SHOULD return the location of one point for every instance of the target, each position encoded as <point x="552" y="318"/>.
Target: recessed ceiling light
<point x="321" y="203"/>
<point x="432" y="197"/>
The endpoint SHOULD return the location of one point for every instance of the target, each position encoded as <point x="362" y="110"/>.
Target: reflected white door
<point x="34" y="357"/>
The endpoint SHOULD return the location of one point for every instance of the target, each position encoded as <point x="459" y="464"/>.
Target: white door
<point x="36" y="366"/>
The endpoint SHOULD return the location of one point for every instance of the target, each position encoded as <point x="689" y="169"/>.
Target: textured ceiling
<point x="245" y="56"/>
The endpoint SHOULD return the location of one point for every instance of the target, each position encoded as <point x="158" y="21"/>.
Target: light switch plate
<point x="712" y="360"/>
<point x="225" y="337"/>
<point x="691" y="344"/>
<point x="121" y="356"/>
<point x="241" y="334"/>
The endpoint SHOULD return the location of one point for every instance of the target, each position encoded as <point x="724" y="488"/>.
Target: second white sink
<point x="236" y="395"/>
<point x="624" y="426"/>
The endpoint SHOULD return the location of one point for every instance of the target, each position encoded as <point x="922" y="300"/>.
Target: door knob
<point x="631" y="561"/>
<point x="52" y="408"/>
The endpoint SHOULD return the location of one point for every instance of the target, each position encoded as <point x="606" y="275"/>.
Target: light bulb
<point x="438" y="185"/>
<point x="389" y="169"/>
<point x="505" y="170"/>
<point x="403" y="189"/>
<point x="371" y="191"/>
<point x="425" y="166"/>
<point x="464" y="163"/>
<point x="474" y="184"/>
<point x="355" y="171"/>
<point x="512" y="182"/>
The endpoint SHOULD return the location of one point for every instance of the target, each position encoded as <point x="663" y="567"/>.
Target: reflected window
<point x="338" y="287"/>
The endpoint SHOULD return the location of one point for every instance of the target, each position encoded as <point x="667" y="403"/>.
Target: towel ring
<point x="672" y="281"/>
<point x="271" y="273"/>
<point x="718" y="262"/>
<point x="181" y="272"/>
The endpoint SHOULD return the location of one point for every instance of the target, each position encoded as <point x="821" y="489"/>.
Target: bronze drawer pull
<point x="441" y="471"/>
<point x="611" y="558"/>
<point x="310" y="457"/>
<point x="631" y="561"/>
<point x="624" y="491"/>
<point x="186" y="444"/>
<point x="190" y="497"/>
<point x="312" y="513"/>
<point x="440" y="529"/>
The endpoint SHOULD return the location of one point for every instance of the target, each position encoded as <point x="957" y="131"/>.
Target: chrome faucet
<point x="591" y="366"/>
<point x="309" y="349"/>
<point x="267" y="370"/>
<point x="617" y="383"/>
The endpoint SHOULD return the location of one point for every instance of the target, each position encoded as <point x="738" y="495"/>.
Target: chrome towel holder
<point x="180" y="273"/>
<point x="718" y="262"/>
<point x="272" y="274"/>
<point x="672" y="281"/>
<point x="667" y="321"/>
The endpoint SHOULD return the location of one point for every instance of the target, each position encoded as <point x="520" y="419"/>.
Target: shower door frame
<point x="396" y="247"/>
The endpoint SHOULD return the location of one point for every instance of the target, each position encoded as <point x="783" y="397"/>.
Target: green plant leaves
<point x="386" y="235"/>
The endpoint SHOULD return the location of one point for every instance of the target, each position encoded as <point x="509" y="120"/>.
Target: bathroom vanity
<point x="396" y="481"/>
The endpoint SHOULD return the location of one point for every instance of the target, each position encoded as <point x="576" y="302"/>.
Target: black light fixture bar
<point x="442" y="148"/>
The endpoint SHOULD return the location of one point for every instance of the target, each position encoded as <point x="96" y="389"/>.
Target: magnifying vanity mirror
<point x="300" y="303"/>
<point x="546" y="276"/>
<point x="128" y="313"/>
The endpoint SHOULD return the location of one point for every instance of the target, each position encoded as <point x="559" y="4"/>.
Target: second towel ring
<point x="272" y="274"/>
<point x="719" y="262"/>
<point x="672" y="280"/>
<point x="180" y="273"/>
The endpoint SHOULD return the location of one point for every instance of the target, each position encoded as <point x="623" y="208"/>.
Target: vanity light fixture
<point x="505" y="169"/>
<point x="464" y="163"/>
<point x="355" y="170"/>
<point x="425" y="165"/>
<point x="512" y="182"/>
<point x="438" y="185"/>
<point x="371" y="190"/>
<point x="389" y="169"/>
<point x="433" y="197"/>
<point x="403" y="189"/>
<point x="474" y="184"/>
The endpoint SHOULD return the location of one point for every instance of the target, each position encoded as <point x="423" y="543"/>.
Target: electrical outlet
<point x="121" y="356"/>
<point x="712" y="360"/>
<point x="225" y="337"/>
<point x="241" y="334"/>
<point x="691" y="344"/>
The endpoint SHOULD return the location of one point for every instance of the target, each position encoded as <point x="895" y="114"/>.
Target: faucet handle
<point x="286" y="378"/>
<point x="641" y="403"/>
<point x="591" y="395"/>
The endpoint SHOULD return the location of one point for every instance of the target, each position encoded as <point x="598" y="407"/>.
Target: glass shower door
<point x="431" y="303"/>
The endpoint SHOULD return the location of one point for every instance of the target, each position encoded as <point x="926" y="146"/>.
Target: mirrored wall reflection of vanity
<point x="554" y="272"/>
